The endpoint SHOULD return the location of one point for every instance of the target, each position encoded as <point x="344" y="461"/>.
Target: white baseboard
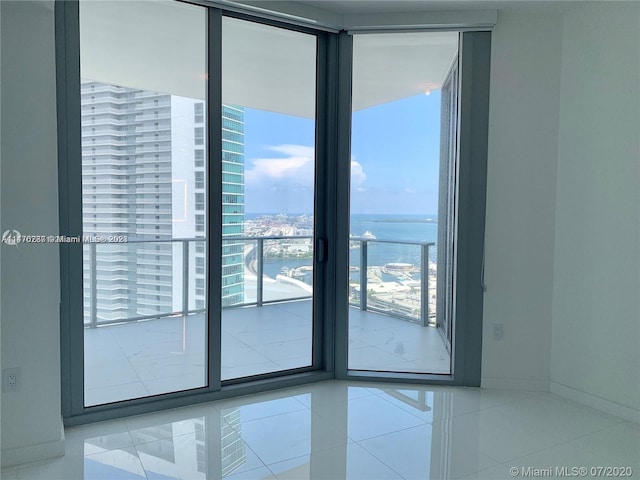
<point x="526" y="384"/>
<point x="598" y="403"/>
<point x="32" y="453"/>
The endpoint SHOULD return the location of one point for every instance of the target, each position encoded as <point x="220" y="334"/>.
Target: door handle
<point x="321" y="250"/>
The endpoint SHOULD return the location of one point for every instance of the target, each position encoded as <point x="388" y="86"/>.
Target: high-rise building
<point x="232" y="204"/>
<point x="144" y="171"/>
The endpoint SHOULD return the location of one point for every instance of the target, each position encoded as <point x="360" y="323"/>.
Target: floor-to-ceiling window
<point x="209" y="181"/>
<point x="395" y="217"/>
<point x="143" y="198"/>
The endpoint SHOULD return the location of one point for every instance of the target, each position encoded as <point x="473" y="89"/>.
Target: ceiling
<point x="160" y="46"/>
<point x="391" y="66"/>
<point x="387" y="6"/>
<point x="398" y="6"/>
<point x="362" y="7"/>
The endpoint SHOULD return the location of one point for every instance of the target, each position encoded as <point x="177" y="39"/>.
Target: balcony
<point x="138" y="352"/>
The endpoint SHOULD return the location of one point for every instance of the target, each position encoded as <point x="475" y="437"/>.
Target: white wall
<point x="563" y="205"/>
<point x="523" y="139"/>
<point x="31" y="421"/>
<point x="596" y="315"/>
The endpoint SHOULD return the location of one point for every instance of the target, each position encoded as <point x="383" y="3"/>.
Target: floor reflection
<point x="337" y="430"/>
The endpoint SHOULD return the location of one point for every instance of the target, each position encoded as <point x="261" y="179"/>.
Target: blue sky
<point x="395" y="153"/>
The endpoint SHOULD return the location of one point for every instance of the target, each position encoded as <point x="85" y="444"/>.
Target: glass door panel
<point x="268" y="178"/>
<point x="143" y="71"/>
<point x="396" y="177"/>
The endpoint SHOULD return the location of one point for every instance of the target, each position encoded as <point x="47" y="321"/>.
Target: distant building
<point x="144" y="176"/>
<point x="232" y="204"/>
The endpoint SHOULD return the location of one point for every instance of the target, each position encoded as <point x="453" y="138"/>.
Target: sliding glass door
<point x="173" y="197"/>
<point x="268" y="192"/>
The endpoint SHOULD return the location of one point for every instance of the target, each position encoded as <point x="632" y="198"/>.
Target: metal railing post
<point x="185" y="277"/>
<point x="260" y="273"/>
<point x="363" y="275"/>
<point x="93" y="320"/>
<point x="424" y="284"/>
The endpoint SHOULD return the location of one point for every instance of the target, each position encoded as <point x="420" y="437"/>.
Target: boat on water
<point x="397" y="268"/>
<point x="355" y="240"/>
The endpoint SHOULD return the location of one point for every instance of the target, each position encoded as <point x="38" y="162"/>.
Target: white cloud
<point x="294" y="164"/>
<point x="294" y="167"/>
<point x="409" y="190"/>
<point x="358" y="177"/>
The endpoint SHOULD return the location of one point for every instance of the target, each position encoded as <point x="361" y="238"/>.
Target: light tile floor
<point x="168" y="354"/>
<point x="340" y="430"/>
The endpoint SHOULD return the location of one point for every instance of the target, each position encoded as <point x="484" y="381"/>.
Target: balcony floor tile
<point x="131" y="360"/>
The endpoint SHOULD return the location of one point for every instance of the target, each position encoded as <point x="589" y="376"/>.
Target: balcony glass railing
<point x="255" y="271"/>
<point x="393" y="277"/>
<point x="280" y="267"/>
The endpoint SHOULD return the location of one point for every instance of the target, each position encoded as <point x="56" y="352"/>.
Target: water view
<point x="392" y="247"/>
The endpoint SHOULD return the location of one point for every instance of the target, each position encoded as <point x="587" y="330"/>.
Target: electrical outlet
<point x="11" y="380"/>
<point x="498" y="331"/>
